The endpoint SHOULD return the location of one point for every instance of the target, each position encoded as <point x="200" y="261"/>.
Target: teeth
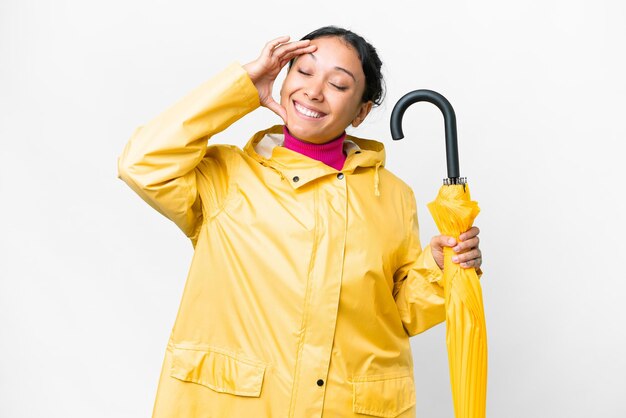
<point x="307" y="112"/>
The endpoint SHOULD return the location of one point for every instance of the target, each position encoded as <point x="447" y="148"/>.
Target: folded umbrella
<point x="454" y="212"/>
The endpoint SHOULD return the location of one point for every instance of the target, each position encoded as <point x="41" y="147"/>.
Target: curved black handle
<point x="452" y="149"/>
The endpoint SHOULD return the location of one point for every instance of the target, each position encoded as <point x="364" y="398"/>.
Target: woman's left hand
<point x="468" y="253"/>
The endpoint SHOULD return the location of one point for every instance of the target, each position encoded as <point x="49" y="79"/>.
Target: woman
<point x="308" y="276"/>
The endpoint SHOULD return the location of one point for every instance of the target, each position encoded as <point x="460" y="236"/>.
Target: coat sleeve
<point x="417" y="290"/>
<point x="165" y="159"/>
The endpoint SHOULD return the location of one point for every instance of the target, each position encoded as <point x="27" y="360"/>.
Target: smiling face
<point x="323" y="91"/>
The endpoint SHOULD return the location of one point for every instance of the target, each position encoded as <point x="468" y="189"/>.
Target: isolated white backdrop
<point x="91" y="276"/>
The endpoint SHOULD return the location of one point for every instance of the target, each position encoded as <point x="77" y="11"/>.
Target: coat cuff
<point x="248" y="89"/>
<point x="435" y="274"/>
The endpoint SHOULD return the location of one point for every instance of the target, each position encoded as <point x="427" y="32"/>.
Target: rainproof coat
<point x="306" y="282"/>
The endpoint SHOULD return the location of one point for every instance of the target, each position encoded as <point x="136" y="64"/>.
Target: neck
<point x="329" y="153"/>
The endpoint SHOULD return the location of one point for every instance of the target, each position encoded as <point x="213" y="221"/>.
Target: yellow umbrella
<point x="454" y="213"/>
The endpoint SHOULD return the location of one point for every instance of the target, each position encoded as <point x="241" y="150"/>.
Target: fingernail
<point x="455" y="259"/>
<point x="456" y="249"/>
<point x="451" y="241"/>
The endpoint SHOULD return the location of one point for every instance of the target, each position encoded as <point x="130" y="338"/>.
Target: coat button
<point x="320" y="382"/>
<point x="340" y="176"/>
<point x="296" y="179"/>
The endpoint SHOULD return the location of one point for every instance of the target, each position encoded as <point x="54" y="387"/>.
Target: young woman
<point x="308" y="276"/>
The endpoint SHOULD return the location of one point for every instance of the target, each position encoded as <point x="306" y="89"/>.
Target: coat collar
<point x="266" y="147"/>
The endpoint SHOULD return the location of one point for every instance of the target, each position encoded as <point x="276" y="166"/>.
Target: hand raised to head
<point x="264" y="70"/>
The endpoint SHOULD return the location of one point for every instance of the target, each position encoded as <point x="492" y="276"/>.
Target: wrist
<point x="248" y="69"/>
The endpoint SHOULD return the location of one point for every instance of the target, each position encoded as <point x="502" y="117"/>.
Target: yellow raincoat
<point x="306" y="282"/>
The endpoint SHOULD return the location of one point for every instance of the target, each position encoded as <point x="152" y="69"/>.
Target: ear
<point x="363" y="111"/>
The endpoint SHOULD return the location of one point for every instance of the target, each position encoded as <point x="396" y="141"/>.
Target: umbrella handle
<point x="452" y="149"/>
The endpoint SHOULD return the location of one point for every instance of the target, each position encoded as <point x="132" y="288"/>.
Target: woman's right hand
<point x="264" y="70"/>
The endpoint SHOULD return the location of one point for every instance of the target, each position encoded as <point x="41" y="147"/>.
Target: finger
<point x="290" y="46"/>
<point x="440" y="241"/>
<point x="284" y="60"/>
<point x="288" y="55"/>
<point x="465" y="257"/>
<point x="476" y="263"/>
<point x="467" y="245"/>
<point x="470" y="233"/>
<point x="277" y="108"/>
<point x="274" y="43"/>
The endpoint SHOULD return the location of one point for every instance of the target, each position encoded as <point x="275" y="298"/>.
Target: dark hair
<point x="371" y="63"/>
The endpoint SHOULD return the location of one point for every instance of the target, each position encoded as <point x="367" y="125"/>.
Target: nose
<point x="314" y="89"/>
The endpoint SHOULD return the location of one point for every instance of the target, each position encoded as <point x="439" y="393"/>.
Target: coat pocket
<point x="218" y="369"/>
<point x="384" y="395"/>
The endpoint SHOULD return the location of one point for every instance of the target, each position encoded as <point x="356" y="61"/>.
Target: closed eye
<point x="303" y="72"/>
<point x="338" y="87"/>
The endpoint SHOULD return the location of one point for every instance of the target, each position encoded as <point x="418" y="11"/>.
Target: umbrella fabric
<point x="466" y="334"/>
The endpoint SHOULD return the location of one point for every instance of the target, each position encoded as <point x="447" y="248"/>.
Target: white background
<point x="91" y="276"/>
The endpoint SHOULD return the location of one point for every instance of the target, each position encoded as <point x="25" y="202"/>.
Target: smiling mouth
<point x="308" y="112"/>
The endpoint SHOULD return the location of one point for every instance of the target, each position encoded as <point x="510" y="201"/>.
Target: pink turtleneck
<point x="330" y="153"/>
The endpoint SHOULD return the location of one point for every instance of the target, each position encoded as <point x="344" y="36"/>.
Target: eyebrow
<point x="336" y="68"/>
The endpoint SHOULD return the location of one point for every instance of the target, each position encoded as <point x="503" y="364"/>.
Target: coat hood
<point x="266" y="147"/>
